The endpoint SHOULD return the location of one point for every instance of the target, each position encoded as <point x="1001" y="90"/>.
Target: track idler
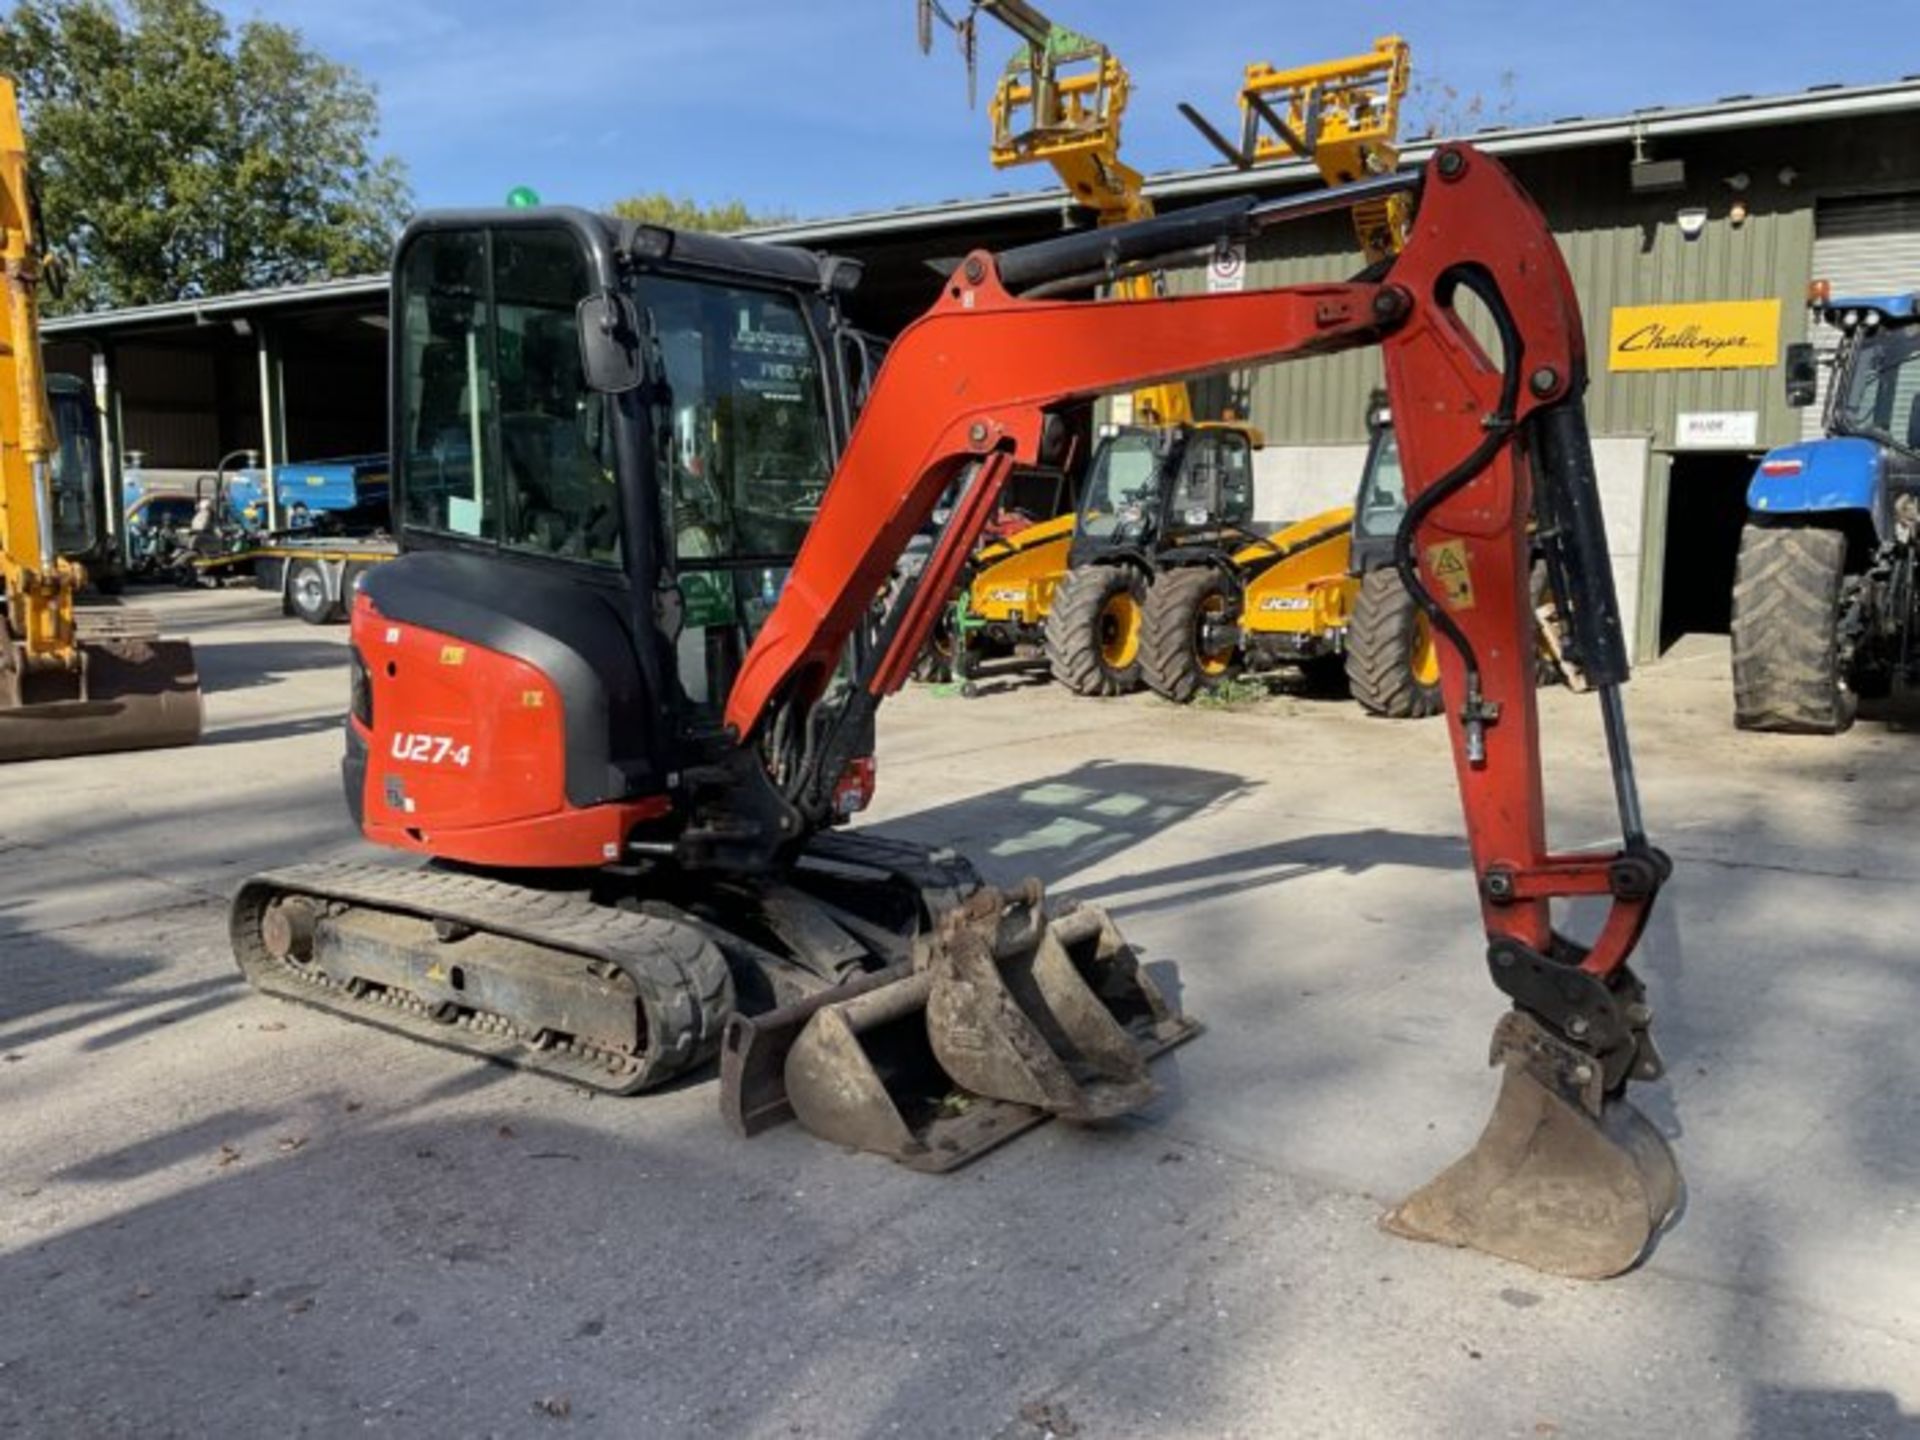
<point x="1005" y="1019"/>
<point x="131" y="691"/>
<point x="1568" y="1177"/>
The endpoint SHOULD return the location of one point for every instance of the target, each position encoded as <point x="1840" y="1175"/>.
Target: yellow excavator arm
<point x="66" y="687"/>
<point x="39" y="585"/>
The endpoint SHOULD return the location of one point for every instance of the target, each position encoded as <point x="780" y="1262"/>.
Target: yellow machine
<point x="71" y="682"/>
<point x="1305" y="592"/>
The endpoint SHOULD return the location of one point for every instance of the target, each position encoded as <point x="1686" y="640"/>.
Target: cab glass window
<point x="742" y="419"/>
<point x="502" y="440"/>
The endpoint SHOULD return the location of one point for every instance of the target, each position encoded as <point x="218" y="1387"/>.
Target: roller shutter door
<point x="1868" y="245"/>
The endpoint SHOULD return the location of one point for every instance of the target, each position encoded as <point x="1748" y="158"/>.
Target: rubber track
<point x="1379" y="642"/>
<point x="1169" y="644"/>
<point x="1786" y="631"/>
<point x="679" y="975"/>
<point x="1073" y="632"/>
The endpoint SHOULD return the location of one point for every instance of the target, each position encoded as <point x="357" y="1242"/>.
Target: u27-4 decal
<point x="430" y="749"/>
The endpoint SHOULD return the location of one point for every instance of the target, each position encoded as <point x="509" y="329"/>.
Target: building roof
<point x="1733" y="112"/>
<point x="211" y="308"/>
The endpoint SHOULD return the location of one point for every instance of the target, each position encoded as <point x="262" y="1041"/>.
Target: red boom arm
<point x="973" y="378"/>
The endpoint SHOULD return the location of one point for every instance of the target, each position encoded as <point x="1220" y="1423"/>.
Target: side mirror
<point x="1803" y="373"/>
<point x="609" y="343"/>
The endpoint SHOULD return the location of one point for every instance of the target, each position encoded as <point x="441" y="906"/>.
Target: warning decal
<point x="1448" y="564"/>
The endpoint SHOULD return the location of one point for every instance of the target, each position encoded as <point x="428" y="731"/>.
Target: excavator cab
<point x="611" y="442"/>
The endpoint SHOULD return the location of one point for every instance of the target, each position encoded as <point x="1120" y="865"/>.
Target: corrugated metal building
<point x="1743" y="200"/>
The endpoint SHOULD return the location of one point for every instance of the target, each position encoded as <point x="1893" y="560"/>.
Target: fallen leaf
<point x="271" y="1025"/>
<point x="290" y="1143"/>
<point x="1050" y="1417"/>
<point x="141" y="1292"/>
<point x="300" y="1307"/>
<point x="228" y="1154"/>
<point x="558" y="1406"/>
<point x="13" y="1056"/>
<point x="239" y="1290"/>
<point x="352" y="1105"/>
<point x="505" y="1132"/>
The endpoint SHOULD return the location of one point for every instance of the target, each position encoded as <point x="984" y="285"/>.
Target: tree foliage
<point x="178" y="156"/>
<point x="660" y="208"/>
<point x="1446" y="112"/>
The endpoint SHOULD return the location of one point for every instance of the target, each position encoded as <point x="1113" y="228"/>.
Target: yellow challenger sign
<point x="1713" y="335"/>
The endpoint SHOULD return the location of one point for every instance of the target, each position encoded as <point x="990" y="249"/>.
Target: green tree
<point x="178" y="156"/>
<point x="660" y="208"/>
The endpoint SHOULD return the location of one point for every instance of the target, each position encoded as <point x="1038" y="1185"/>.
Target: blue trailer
<point x="1825" y="604"/>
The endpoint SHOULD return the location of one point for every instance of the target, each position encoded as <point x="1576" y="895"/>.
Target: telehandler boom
<point x="630" y="753"/>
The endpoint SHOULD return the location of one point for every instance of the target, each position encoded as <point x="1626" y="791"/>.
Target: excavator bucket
<point x="1006" y="1019"/>
<point x="1564" y="1178"/>
<point x="133" y="691"/>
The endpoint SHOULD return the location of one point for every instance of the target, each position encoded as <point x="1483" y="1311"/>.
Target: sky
<point x="812" y="108"/>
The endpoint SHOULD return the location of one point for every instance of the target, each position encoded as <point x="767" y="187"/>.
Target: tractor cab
<point x="1150" y="489"/>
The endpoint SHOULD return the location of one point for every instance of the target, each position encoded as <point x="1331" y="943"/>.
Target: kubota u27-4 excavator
<point x="621" y="686"/>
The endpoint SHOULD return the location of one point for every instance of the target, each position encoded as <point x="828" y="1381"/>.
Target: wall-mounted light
<point x="1692" y="222"/>
<point x="1737" y="214"/>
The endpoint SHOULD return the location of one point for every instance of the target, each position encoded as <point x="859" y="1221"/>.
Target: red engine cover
<point x="466" y="756"/>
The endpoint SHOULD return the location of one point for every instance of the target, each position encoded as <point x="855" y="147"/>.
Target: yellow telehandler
<point x="72" y="682"/>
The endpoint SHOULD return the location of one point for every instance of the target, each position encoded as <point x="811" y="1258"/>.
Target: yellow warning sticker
<point x="453" y="654"/>
<point x="1448" y="564"/>
<point x="533" y="699"/>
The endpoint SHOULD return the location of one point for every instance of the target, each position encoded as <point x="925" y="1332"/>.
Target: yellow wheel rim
<point x="1425" y="659"/>
<point x="1211" y="665"/>
<point x="1119" y="630"/>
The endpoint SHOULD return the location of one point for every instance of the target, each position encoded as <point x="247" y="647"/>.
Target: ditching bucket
<point x="1005" y="1019"/>
<point x="1564" y="1178"/>
<point x="131" y="693"/>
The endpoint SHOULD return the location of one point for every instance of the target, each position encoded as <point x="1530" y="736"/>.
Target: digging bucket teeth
<point x="1005" y="1019"/>
<point x="1566" y="1178"/>
<point x="131" y="694"/>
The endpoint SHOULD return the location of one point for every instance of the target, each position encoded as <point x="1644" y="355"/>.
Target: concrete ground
<point x="220" y="1214"/>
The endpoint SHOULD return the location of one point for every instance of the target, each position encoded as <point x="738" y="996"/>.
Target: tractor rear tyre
<point x="1175" y="658"/>
<point x="1093" y="630"/>
<point x="1393" y="664"/>
<point x="1788" y="674"/>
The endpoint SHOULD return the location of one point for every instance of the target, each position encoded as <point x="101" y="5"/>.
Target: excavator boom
<point x="69" y="684"/>
<point x="969" y="386"/>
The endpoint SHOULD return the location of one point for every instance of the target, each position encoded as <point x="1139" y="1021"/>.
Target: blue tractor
<point x="1826" y="608"/>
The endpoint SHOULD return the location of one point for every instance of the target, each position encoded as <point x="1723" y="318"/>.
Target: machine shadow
<point x="1055" y="827"/>
<point x="244" y="664"/>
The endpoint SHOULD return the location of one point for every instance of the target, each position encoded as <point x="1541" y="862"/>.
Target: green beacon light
<point x="522" y="197"/>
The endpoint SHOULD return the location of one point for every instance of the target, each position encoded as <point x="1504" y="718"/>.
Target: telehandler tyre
<point x="1393" y="665"/>
<point x="1787" y="671"/>
<point x="1093" y="630"/>
<point x="1175" y="658"/>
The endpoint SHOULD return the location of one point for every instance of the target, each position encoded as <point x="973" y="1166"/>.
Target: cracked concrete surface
<point x="222" y="1214"/>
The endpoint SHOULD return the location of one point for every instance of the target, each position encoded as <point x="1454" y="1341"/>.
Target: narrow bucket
<point x="138" y="694"/>
<point x="1564" y="1178"/>
<point x="1008" y="1019"/>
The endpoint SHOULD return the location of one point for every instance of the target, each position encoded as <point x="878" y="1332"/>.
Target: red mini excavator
<point x="621" y="688"/>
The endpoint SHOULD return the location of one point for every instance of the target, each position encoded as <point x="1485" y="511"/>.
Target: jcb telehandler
<point x="622" y="685"/>
<point x="72" y="682"/>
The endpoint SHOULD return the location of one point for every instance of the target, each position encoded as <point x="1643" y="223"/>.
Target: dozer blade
<point x="132" y="694"/>
<point x="1006" y="1019"/>
<point x="1564" y="1179"/>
